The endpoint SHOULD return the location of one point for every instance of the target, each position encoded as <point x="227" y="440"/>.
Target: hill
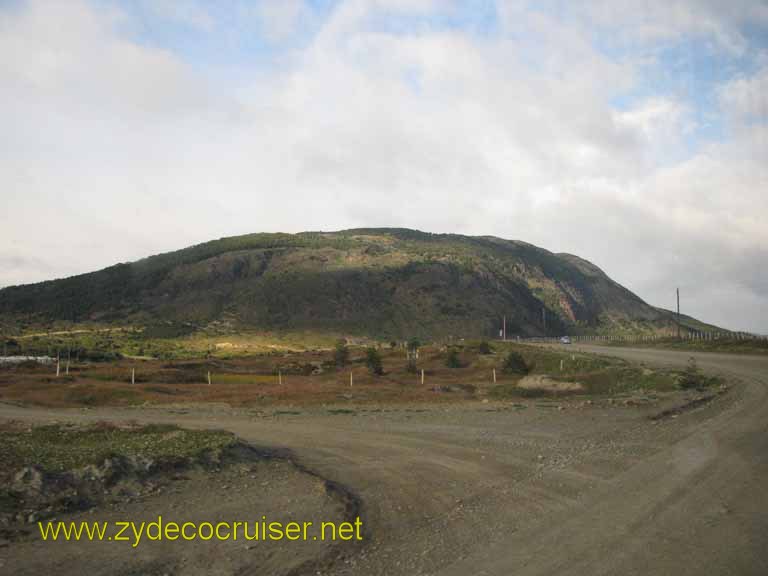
<point x="384" y="283"/>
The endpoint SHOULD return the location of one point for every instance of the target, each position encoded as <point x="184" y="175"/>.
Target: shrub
<point x="692" y="377"/>
<point x="341" y="353"/>
<point x="373" y="361"/>
<point x="514" y="363"/>
<point x="484" y="348"/>
<point x="452" y="359"/>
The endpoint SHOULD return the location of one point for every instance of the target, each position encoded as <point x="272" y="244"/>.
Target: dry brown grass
<point x="253" y="381"/>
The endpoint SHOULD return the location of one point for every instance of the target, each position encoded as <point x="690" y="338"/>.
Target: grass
<point x="623" y="379"/>
<point x="103" y="343"/>
<point x="56" y="448"/>
<point x="310" y="378"/>
<point x="61" y="452"/>
<point x="91" y="395"/>
<point x="722" y="345"/>
<point x="253" y="379"/>
<point x="339" y="411"/>
<point x="598" y="375"/>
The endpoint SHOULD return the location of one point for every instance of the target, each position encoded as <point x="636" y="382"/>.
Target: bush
<point x="373" y="361"/>
<point x="484" y="348"/>
<point x="692" y="377"/>
<point x="100" y="355"/>
<point x="341" y="353"/>
<point x="514" y="363"/>
<point x="453" y="360"/>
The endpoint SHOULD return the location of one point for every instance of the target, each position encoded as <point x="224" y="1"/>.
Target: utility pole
<point x="678" y="313"/>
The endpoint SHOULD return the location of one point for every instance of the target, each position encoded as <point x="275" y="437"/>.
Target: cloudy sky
<point x="634" y="134"/>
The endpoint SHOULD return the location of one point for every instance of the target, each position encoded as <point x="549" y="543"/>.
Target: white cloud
<point x="744" y="99"/>
<point x="188" y="12"/>
<point x="115" y="150"/>
<point x="66" y="58"/>
<point x="654" y="21"/>
<point x="653" y="116"/>
<point x="279" y="18"/>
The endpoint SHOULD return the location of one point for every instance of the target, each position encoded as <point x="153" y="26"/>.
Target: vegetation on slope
<point x="371" y="374"/>
<point x="383" y="283"/>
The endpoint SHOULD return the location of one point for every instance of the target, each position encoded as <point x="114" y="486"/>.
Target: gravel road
<point x="499" y="489"/>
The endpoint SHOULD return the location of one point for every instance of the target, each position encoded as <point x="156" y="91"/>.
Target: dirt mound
<point x="237" y="483"/>
<point x="37" y="494"/>
<point x="545" y="383"/>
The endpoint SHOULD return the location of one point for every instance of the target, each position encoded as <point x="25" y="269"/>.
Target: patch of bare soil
<point x="546" y="384"/>
<point x="238" y="484"/>
<point x="690" y="402"/>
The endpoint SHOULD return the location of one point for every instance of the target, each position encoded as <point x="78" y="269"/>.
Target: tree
<point x="414" y="344"/>
<point x="373" y="361"/>
<point x="514" y="363"/>
<point x="452" y="360"/>
<point x="341" y="353"/>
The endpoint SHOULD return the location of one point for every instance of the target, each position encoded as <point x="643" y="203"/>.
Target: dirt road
<point x="498" y="489"/>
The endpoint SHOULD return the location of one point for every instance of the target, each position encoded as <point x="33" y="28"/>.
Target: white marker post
<point x="133" y="375"/>
<point x="422" y="376"/>
<point x="58" y="367"/>
<point x="494" y="375"/>
<point x="209" y="377"/>
<point x="350" y="378"/>
<point x="280" y="377"/>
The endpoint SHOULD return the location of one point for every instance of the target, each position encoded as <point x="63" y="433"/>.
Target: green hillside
<point x="384" y="283"/>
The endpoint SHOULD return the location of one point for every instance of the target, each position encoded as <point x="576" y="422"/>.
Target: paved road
<point x="498" y="490"/>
